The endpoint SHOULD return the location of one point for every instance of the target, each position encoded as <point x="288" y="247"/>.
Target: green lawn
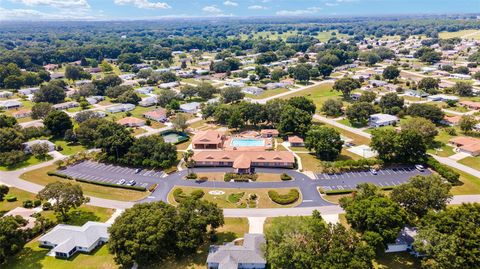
<point x="68" y="148"/>
<point x="471" y="184"/>
<point x="318" y="94"/>
<point x="473" y="162"/>
<point x="21" y="196"/>
<point x="401" y="260"/>
<point x="446" y="35"/>
<point x="31" y="160"/>
<point x="34" y="257"/>
<point x="82" y="214"/>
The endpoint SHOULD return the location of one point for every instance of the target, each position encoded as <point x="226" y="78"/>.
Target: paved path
<point x="255" y="225"/>
<point x="339" y="125"/>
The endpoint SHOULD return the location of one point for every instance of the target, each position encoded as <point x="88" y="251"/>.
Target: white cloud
<point x="230" y="3"/>
<point x="31" y="14"/>
<point x="62" y="4"/>
<point x="257" y="7"/>
<point x="331" y="4"/>
<point x="212" y="9"/>
<point x="299" y="12"/>
<point x="143" y="4"/>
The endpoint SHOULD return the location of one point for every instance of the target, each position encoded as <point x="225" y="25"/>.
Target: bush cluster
<point x="179" y="195"/>
<point x="285" y="177"/>
<point x="284" y="199"/>
<point x="192" y="176"/>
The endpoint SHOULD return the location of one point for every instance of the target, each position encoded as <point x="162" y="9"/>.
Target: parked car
<point x="131" y="183"/>
<point x="121" y="181"/>
<point x="138" y="170"/>
<point x="374" y="171"/>
<point x="420" y="167"/>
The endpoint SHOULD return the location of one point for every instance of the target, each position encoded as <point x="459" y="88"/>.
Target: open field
<point x="31" y="160"/>
<point x="40" y="176"/>
<point x="318" y="94"/>
<point x="472" y="34"/>
<point x="242" y="200"/>
<point x="267" y="93"/>
<point x="21" y="196"/>
<point x="473" y="162"/>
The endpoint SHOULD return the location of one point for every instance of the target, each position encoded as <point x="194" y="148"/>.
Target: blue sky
<point x="152" y="9"/>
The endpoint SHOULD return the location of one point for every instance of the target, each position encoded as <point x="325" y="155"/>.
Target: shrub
<point x="284" y="199"/>
<point x="179" y="195"/>
<point x="240" y="177"/>
<point x="235" y="197"/>
<point x="106" y="184"/>
<point x="10" y="198"/>
<point x="285" y="176"/>
<point x="203" y="179"/>
<point x="335" y="192"/>
<point x="444" y="171"/>
<point x="37" y="202"/>
<point x="351" y="165"/>
<point x="46" y="206"/>
<point x="56" y="174"/>
<point x="191" y="176"/>
<point x="28" y="204"/>
<point x="153" y="187"/>
<point x="197" y="194"/>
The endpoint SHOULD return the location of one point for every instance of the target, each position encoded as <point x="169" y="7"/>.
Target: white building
<point x="169" y="85"/>
<point x="253" y="90"/>
<point x="190" y="107"/>
<point x="66" y="240"/>
<point x="120" y="108"/>
<point x="379" y="119"/>
<point x="9" y="104"/>
<point x="443" y="97"/>
<point x="5" y="94"/>
<point x="249" y="255"/>
<point x="28" y="145"/>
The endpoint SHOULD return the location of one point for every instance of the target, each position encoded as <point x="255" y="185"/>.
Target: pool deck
<point x="267" y="145"/>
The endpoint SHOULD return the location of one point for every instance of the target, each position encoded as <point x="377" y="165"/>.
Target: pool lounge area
<point x="174" y="137"/>
<point x="247" y="142"/>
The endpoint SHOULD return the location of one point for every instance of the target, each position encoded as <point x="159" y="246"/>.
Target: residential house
<point x="192" y="107"/>
<point x="208" y="140"/>
<point x="94" y="99"/>
<point x="65" y="106"/>
<point x="295" y="141"/>
<point x="451" y="120"/>
<point x="28" y="145"/>
<point x="9" y="104"/>
<point x="159" y="115"/>
<point x="144" y="90"/>
<point x="461" y="76"/>
<point x="56" y="75"/>
<point x="131" y="122"/>
<point x="377" y="83"/>
<point x="253" y="90"/>
<point x="469" y="145"/>
<point x="404" y="242"/>
<point x="6" y="94"/>
<point x="267" y="133"/>
<point x="82" y="82"/>
<point x="169" y="85"/>
<point x="234" y="84"/>
<point x="470" y="105"/>
<point x="443" y="97"/>
<point x="22" y="113"/>
<point x="249" y="255"/>
<point x="148" y="101"/>
<point x="120" y="108"/>
<point x="28" y="91"/>
<point x="379" y="119"/>
<point x="66" y="240"/>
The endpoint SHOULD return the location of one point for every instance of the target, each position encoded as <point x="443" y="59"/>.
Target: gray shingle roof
<point x="230" y="255"/>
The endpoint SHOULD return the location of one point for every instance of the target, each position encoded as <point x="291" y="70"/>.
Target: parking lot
<point x="112" y="174"/>
<point x="384" y="178"/>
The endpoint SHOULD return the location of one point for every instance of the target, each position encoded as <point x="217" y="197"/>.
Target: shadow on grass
<point x="28" y="258"/>
<point x="80" y="217"/>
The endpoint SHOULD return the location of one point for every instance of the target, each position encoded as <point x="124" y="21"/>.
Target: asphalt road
<point x="308" y="187"/>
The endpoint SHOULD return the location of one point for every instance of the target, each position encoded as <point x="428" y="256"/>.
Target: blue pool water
<point x="245" y="142"/>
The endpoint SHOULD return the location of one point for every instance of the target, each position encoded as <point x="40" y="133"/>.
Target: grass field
<point x="68" y="148"/>
<point x="471" y="184"/>
<point x="21" y="196"/>
<point x="473" y="162"/>
<point x="445" y="35"/>
<point x="401" y="260"/>
<point x="31" y="160"/>
<point x="318" y="94"/>
<point x="263" y="201"/>
<point x="40" y="176"/>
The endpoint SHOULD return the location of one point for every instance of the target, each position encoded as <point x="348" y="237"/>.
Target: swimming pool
<point x="247" y="142"/>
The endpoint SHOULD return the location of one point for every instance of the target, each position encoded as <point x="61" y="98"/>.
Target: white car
<point x="131" y="183"/>
<point x="374" y="171"/>
<point x="121" y="181"/>
<point x="420" y="167"/>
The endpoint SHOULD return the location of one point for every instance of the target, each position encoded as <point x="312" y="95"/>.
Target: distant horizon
<point x="140" y="10"/>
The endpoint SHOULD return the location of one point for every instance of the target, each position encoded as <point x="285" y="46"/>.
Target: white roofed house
<point x="66" y="105"/>
<point x="28" y="145"/>
<point x="120" y="108"/>
<point x="66" y="240"/>
<point x="253" y="90"/>
<point x="144" y="90"/>
<point x="148" y="101"/>
<point x="404" y="242"/>
<point x="5" y="94"/>
<point x="378" y="120"/>
<point x="190" y="107"/>
<point x="169" y="85"/>
<point x="249" y="255"/>
<point x="9" y="104"/>
<point x="28" y="91"/>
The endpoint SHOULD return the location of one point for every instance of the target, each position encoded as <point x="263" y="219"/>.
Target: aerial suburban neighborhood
<point x="227" y="134"/>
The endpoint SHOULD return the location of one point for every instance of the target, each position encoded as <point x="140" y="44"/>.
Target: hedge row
<point x="444" y="171"/>
<point x="240" y="177"/>
<point x="284" y="199"/>
<point x="285" y="177"/>
<point x="351" y="165"/>
<point x="106" y="184"/>
<point x="337" y="192"/>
